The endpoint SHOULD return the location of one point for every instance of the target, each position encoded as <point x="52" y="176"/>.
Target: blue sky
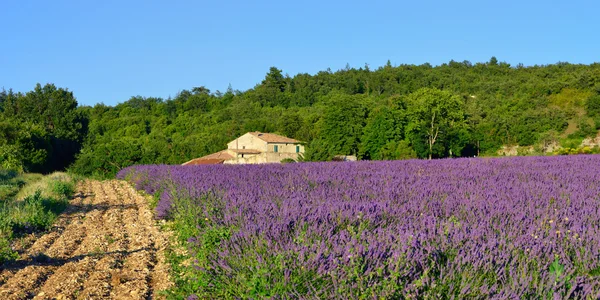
<point x="108" y="51"/>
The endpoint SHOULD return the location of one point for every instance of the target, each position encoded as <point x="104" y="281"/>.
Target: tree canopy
<point x="392" y="112"/>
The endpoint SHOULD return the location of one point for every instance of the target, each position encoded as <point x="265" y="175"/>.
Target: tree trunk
<point x="432" y="136"/>
<point x="430" y="147"/>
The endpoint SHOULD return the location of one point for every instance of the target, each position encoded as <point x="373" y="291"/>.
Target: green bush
<point x="47" y="197"/>
<point x="62" y="188"/>
<point x="7" y="175"/>
<point x="10" y="183"/>
<point x="287" y="160"/>
<point x="6" y="252"/>
<point x="33" y="214"/>
<point x="579" y="150"/>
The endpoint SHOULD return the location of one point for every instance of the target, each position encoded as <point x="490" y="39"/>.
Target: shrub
<point x="63" y="189"/>
<point x="6" y="252"/>
<point x="287" y="160"/>
<point x="42" y="201"/>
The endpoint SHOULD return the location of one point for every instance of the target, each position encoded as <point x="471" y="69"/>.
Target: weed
<point x="97" y="252"/>
<point x="64" y="189"/>
<point x="109" y="239"/>
<point x="42" y="199"/>
<point x="6" y="252"/>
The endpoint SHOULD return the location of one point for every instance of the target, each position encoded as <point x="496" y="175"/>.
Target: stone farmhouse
<point x="254" y="148"/>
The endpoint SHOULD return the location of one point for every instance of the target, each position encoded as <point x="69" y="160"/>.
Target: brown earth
<point x="104" y="246"/>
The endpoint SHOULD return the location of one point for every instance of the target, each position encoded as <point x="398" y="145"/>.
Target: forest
<point x="455" y="109"/>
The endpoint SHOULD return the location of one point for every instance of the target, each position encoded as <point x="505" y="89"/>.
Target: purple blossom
<point x="474" y="228"/>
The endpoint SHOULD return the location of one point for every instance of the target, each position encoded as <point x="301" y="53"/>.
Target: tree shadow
<point x="78" y="208"/>
<point x="43" y="260"/>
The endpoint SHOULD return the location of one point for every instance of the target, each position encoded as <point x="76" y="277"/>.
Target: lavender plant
<point x="524" y="227"/>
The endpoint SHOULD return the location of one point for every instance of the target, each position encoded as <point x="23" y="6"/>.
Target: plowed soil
<point x="104" y="246"/>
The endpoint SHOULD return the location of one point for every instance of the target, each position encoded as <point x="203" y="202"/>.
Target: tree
<point x="397" y="150"/>
<point x="3" y="96"/>
<point x="203" y="90"/>
<point x="384" y="125"/>
<point x="52" y="130"/>
<point x="289" y="123"/>
<point x="342" y="126"/>
<point x="433" y="114"/>
<point x="25" y="146"/>
<point x="271" y="91"/>
<point x="593" y="105"/>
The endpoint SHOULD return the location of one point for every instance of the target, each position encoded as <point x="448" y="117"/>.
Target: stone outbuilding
<point x="254" y="148"/>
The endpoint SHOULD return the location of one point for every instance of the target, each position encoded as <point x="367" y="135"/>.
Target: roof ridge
<point x="273" y="137"/>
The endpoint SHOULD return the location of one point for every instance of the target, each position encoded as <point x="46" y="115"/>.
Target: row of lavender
<point x="491" y="228"/>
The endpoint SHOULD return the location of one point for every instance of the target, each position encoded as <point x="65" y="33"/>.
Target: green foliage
<point x="287" y="161"/>
<point x="108" y="158"/>
<point x="34" y="213"/>
<point x="6" y="252"/>
<point x="354" y="111"/>
<point x="578" y="150"/>
<point x="593" y="105"/>
<point x="341" y="128"/>
<point x="584" y="129"/>
<point x="435" y="116"/>
<point x="384" y="127"/>
<point x="190" y="221"/>
<point x="42" y="130"/>
<point x="397" y="150"/>
<point x="10" y="183"/>
<point x="63" y="188"/>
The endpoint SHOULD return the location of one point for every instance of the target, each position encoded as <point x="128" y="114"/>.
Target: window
<point x="275" y="148"/>
<point x="243" y="147"/>
<point x="297" y="149"/>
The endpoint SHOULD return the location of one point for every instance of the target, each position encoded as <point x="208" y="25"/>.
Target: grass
<point x="11" y="182"/>
<point x="186" y="223"/>
<point x="30" y="203"/>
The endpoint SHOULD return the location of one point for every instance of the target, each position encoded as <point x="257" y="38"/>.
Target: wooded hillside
<point x="393" y="112"/>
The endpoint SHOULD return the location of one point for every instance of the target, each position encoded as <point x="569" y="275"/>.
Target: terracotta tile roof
<point x="274" y="138"/>
<point x="200" y="161"/>
<point x="218" y="156"/>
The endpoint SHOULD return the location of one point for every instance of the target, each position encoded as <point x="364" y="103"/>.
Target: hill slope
<point x="374" y="114"/>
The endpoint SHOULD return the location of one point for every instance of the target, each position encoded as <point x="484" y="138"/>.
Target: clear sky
<point x="107" y="51"/>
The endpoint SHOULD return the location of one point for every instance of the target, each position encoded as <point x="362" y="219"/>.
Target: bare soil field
<point x="104" y="246"/>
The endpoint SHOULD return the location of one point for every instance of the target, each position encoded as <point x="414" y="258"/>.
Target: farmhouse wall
<point x="247" y="159"/>
<point x="249" y="141"/>
<point x="272" y="157"/>
<point x="284" y="148"/>
<point x="258" y="148"/>
<point x="265" y="157"/>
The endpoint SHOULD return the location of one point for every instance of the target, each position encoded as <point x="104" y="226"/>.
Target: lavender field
<point x="504" y="228"/>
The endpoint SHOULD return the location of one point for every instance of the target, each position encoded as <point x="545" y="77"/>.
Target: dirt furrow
<point x="69" y="278"/>
<point x="101" y="280"/>
<point x="39" y="244"/>
<point x="41" y="259"/>
<point x="105" y="246"/>
<point x="158" y="279"/>
<point x="132" y="280"/>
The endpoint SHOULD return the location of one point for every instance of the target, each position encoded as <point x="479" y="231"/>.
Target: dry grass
<point x="38" y="182"/>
